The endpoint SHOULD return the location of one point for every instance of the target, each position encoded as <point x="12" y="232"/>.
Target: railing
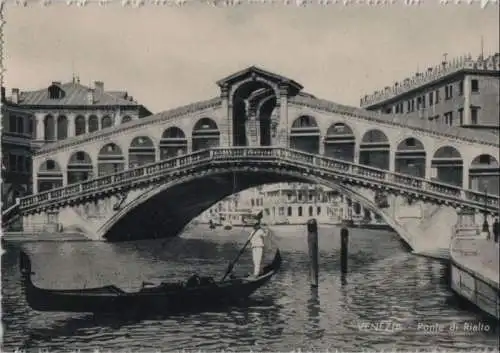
<point x="10" y="213"/>
<point x="320" y="163"/>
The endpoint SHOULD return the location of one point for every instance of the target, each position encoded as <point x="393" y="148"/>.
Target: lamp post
<point x="486" y="228"/>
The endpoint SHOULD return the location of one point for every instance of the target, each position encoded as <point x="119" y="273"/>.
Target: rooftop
<point x="73" y="94"/>
<point x="432" y="74"/>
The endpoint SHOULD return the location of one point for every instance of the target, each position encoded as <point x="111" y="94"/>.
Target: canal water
<point x="390" y="299"/>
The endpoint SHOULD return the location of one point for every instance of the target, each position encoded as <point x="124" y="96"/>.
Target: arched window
<point x="447" y="166"/>
<point x="126" y="119"/>
<point x="106" y="122"/>
<point x="305" y="134"/>
<point x="374" y="150"/>
<point x="205" y="134"/>
<point x="339" y="142"/>
<point x="79" y="167"/>
<point x="93" y="123"/>
<point x="80" y="128"/>
<point x="141" y="151"/>
<point x="110" y="159"/>
<point x="484" y="174"/>
<point x="299" y="210"/>
<point x="289" y="211"/>
<point x="410" y="157"/>
<point x="49" y="176"/>
<point x="62" y="127"/>
<point x="173" y="143"/>
<point x="310" y="211"/>
<point x="49" y="128"/>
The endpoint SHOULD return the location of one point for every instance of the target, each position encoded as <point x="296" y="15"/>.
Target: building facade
<point x="461" y="92"/>
<point x="66" y="110"/>
<point x="16" y="153"/>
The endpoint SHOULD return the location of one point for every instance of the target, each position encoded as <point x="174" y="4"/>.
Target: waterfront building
<point x="288" y="203"/>
<point x="16" y="153"/>
<point x="64" y="110"/>
<point x="461" y="92"/>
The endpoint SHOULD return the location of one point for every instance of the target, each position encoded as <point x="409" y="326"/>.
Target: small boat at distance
<point x="196" y="293"/>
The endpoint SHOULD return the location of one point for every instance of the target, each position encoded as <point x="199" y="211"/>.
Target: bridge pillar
<point x="392" y="160"/>
<point x="227" y="108"/>
<point x="284" y="140"/>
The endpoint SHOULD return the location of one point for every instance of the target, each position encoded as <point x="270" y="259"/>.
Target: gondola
<point x="196" y="292"/>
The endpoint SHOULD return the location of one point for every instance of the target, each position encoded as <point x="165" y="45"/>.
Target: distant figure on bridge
<point x="496" y="229"/>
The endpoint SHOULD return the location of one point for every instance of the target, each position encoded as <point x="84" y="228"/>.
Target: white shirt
<point x="257" y="240"/>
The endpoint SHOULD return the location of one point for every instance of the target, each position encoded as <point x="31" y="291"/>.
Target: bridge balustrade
<point x="263" y="153"/>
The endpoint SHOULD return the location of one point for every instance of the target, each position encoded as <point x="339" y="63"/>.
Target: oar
<point x="231" y="265"/>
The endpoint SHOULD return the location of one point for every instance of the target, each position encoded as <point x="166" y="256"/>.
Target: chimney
<point x="15" y="95"/>
<point x="99" y="85"/>
<point x="90" y="96"/>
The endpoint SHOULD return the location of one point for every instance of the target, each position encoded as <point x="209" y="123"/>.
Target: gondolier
<point x="257" y="243"/>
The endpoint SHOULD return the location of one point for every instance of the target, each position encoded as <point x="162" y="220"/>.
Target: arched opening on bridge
<point x="49" y="128"/>
<point x="93" y="123"/>
<point x="205" y="134"/>
<point x="266" y="121"/>
<point x="447" y="166"/>
<point x="305" y="134"/>
<point x="141" y="151"/>
<point x="79" y="167"/>
<point x="126" y="119"/>
<point x="49" y="176"/>
<point x="106" y="121"/>
<point x="340" y="142"/>
<point x="173" y="143"/>
<point x="374" y="150"/>
<point x="484" y="174"/>
<point x="80" y="127"/>
<point x="410" y="158"/>
<point x="62" y="127"/>
<point x="110" y="160"/>
<point x="250" y="121"/>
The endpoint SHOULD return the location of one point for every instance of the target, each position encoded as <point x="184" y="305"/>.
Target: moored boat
<point x="197" y="292"/>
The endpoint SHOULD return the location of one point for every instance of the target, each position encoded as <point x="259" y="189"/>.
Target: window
<point x="80" y="156"/>
<point x="310" y="211"/>
<point x="461" y="88"/>
<point x="437" y="96"/>
<point x="419" y="102"/>
<point x="252" y="202"/>
<point x="448" y="92"/>
<point x="289" y="211"/>
<point x="20" y="163"/>
<point x="51" y="165"/>
<point x="12" y="123"/>
<point x="310" y="197"/>
<point x="281" y="211"/>
<point x="423" y="102"/>
<point x="461" y="116"/>
<point x="474" y="115"/>
<point x="27" y="165"/>
<point x="448" y="118"/>
<point x="13" y="162"/>
<point x="474" y="86"/>
<point x="410" y="142"/>
<point x="20" y="124"/>
<point x="431" y="99"/>
<point x="300" y="211"/>
<point x="408" y="106"/>
<point x="318" y="210"/>
<point x="484" y="159"/>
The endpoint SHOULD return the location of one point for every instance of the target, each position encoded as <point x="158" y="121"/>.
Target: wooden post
<point x="344" y="241"/>
<point x="312" y="244"/>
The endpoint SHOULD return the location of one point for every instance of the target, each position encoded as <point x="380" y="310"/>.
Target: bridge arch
<point x="173" y="142"/>
<point x="80" y="125"/>
<point x="249" y="118"/>
<point x="110" y="159"/>
<point x="62" y="127"/>
<point x="340" y="142"/>
<point x="49" y="127"/>
<point x="410" y="157"/>
<point x="205" y="134"/>
<point x="447" y="166"/>
<point x="305" y="134"/>
<point x="80" y="167"/>
<point x="49" y="176"/>
<point x="374" y="150"/>
<point x="484" y="174"/>
<point x="93" y="123"/>
<point x="141" y="151"/>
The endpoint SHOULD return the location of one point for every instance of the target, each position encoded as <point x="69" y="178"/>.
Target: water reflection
<point x="313" y="327"/>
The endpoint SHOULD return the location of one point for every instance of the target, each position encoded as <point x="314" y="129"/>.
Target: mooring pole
<point x="344" y="249"/>
<point x="312" y="244"/>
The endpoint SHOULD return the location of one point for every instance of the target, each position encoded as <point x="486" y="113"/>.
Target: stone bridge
<point x="148" y="178"/>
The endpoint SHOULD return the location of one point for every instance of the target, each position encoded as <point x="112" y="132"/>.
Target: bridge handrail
<point x="113" y="176"/>
<point x="358" y="169"/>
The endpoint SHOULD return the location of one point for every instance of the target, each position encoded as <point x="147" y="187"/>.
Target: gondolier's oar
<point x="231" y="265"/>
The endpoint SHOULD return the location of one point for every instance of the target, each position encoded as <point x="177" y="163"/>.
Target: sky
<point x="166" y="56"/>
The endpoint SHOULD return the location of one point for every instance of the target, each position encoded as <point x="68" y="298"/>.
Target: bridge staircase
<point x="10" y="216"/>
<point x="310" y="167"/>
